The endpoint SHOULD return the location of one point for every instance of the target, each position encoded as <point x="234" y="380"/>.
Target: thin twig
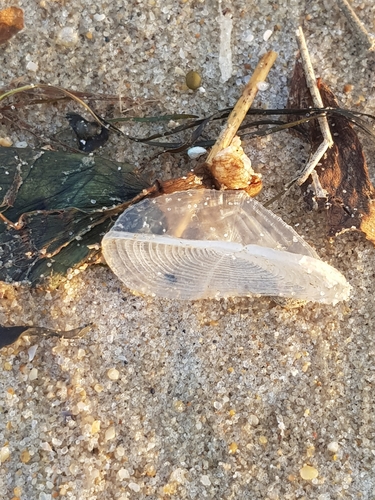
<point x="323" y="122"/>
<point x="242" y="106"/>
<point x="357" y="26"/>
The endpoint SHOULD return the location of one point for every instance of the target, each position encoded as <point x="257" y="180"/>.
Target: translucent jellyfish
<point x="203" y="244"/>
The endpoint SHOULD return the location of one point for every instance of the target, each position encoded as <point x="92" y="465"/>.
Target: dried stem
<point x="243" y="105"/>
<point x="359" y="30"/>
<point x="323" y="122"/>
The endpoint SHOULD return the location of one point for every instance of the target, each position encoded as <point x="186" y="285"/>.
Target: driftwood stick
<point x="243" y="105"/>
<point x="323" y="122"/>
<point x="358" y="28"/>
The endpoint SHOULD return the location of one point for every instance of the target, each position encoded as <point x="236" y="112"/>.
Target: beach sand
<point x="216" y="399"/>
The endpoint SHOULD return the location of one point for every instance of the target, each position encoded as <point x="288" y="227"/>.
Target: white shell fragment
<point x="196" y="152"/>
<point x="204" y="243"/>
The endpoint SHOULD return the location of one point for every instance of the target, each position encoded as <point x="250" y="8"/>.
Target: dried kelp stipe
<point x="343" y="171"/>
<point x="55" y="207"/>
<point x="9" y="334"/>
<point x="11" y="22"/>
<point x="90" y="135"/>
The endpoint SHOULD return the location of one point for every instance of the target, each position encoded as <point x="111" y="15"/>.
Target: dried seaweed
<point x="55" y="208"/>
<point x="343" y="172"/>
<point x="90" y="135"/>
<point x="9" y="334"/>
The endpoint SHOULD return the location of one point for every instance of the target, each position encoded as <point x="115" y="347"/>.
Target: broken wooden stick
<point x="363" y="36"/>
<point x="227" y="161"/>
<point x="323" y="122"/>
<point x="243" y="105"/>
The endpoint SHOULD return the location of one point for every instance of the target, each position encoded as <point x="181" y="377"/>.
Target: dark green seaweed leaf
<point x="59" y="205"/>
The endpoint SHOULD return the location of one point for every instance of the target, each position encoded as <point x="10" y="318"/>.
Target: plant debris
<point x="9" y="334"/>
<point x="11" y="22"/>
<point x="90" y="135"/>
<point x="56" y="206"/>
<point x="343" y="172"/>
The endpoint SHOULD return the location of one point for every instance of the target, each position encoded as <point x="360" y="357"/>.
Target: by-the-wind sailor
<point x="204" y="243"/>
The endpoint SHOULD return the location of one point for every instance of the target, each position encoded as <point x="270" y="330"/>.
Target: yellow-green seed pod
<point x="193" y="80"/>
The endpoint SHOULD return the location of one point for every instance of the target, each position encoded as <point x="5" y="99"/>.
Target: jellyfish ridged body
<point x="201" y="244"/>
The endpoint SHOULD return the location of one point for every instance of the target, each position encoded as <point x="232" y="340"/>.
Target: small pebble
<point x="113" y="374"/>
<point x="67" y="37"/>
<point x="25" y="456"/>
<point x="267" y="35"/>
<point x="119" y="452"/>
<point x="95" y="427"/>
<point x="205" y="480"/>
<point x="348" y="88"/>
<point x="333" y="447"/>
<point x="263" y="440"/>
<point x="123" y="474"/>
<point x="33" y="375"/>
<point x="193" y="80"/>
<point x="110" y="433"/>
<point x="46" y="446"/>
<point x="73" y="467"/>
<point x="31" y="352"/>
<point x="262" y="86"/>
<point x="135" y="487"/>
<point x="32" y="66"/>
<point x="99" y="17"/>
<point x="305" y="367"/>
<point x="17" y="491"/>
<point x="196" y="152"/>
<point x="4" y="454"/>
<point x="44" y="496"/>
<point x="5" y="142"/>
<point x="179" y="406"/>
<point x="307" y="472"/>
<point x="81" y="353"/>
<point x="233" y="447"/>
<point x="20" y="144"/>
<point x="253" y="420"/>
